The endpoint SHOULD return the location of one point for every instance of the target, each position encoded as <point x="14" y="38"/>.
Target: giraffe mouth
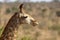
<point x="34" y="23"/>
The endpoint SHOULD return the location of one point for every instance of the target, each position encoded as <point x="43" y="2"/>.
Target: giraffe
<point x="17" y="19"/>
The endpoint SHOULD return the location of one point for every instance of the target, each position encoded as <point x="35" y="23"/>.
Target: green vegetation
<point x="44" y="10"/>
<point x="1" y="30"/>
<point x="8" y="10"/>
<point x="26" y="38"/>
<point x="14" y="9"/>
<point x="55" y="27"/>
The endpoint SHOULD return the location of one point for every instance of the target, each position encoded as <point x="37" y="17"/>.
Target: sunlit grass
<point x="1" y="30"/>
<point x="26" y="38"/>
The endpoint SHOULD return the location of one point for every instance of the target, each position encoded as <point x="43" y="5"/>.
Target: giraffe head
<point x="25" y="18"/>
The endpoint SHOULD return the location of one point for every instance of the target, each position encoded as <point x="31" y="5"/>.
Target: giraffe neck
<point x="11" y="29"/>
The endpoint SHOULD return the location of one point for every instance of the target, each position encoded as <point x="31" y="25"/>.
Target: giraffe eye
<point x="24" y="16"/>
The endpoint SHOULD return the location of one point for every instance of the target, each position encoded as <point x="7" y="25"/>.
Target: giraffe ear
<point x="20" y="7"/>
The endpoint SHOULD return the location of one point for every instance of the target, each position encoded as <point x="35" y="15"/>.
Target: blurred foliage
<point x="44" y="10"/>
<point x="28" y="8"/>
<point x="14" y="9"/>
<point x="58" y="13"/>
<point x="54" y="27"/>
<point x="8" y="10"/>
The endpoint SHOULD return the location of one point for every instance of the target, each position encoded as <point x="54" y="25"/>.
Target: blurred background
<point x="46" y="12"/>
